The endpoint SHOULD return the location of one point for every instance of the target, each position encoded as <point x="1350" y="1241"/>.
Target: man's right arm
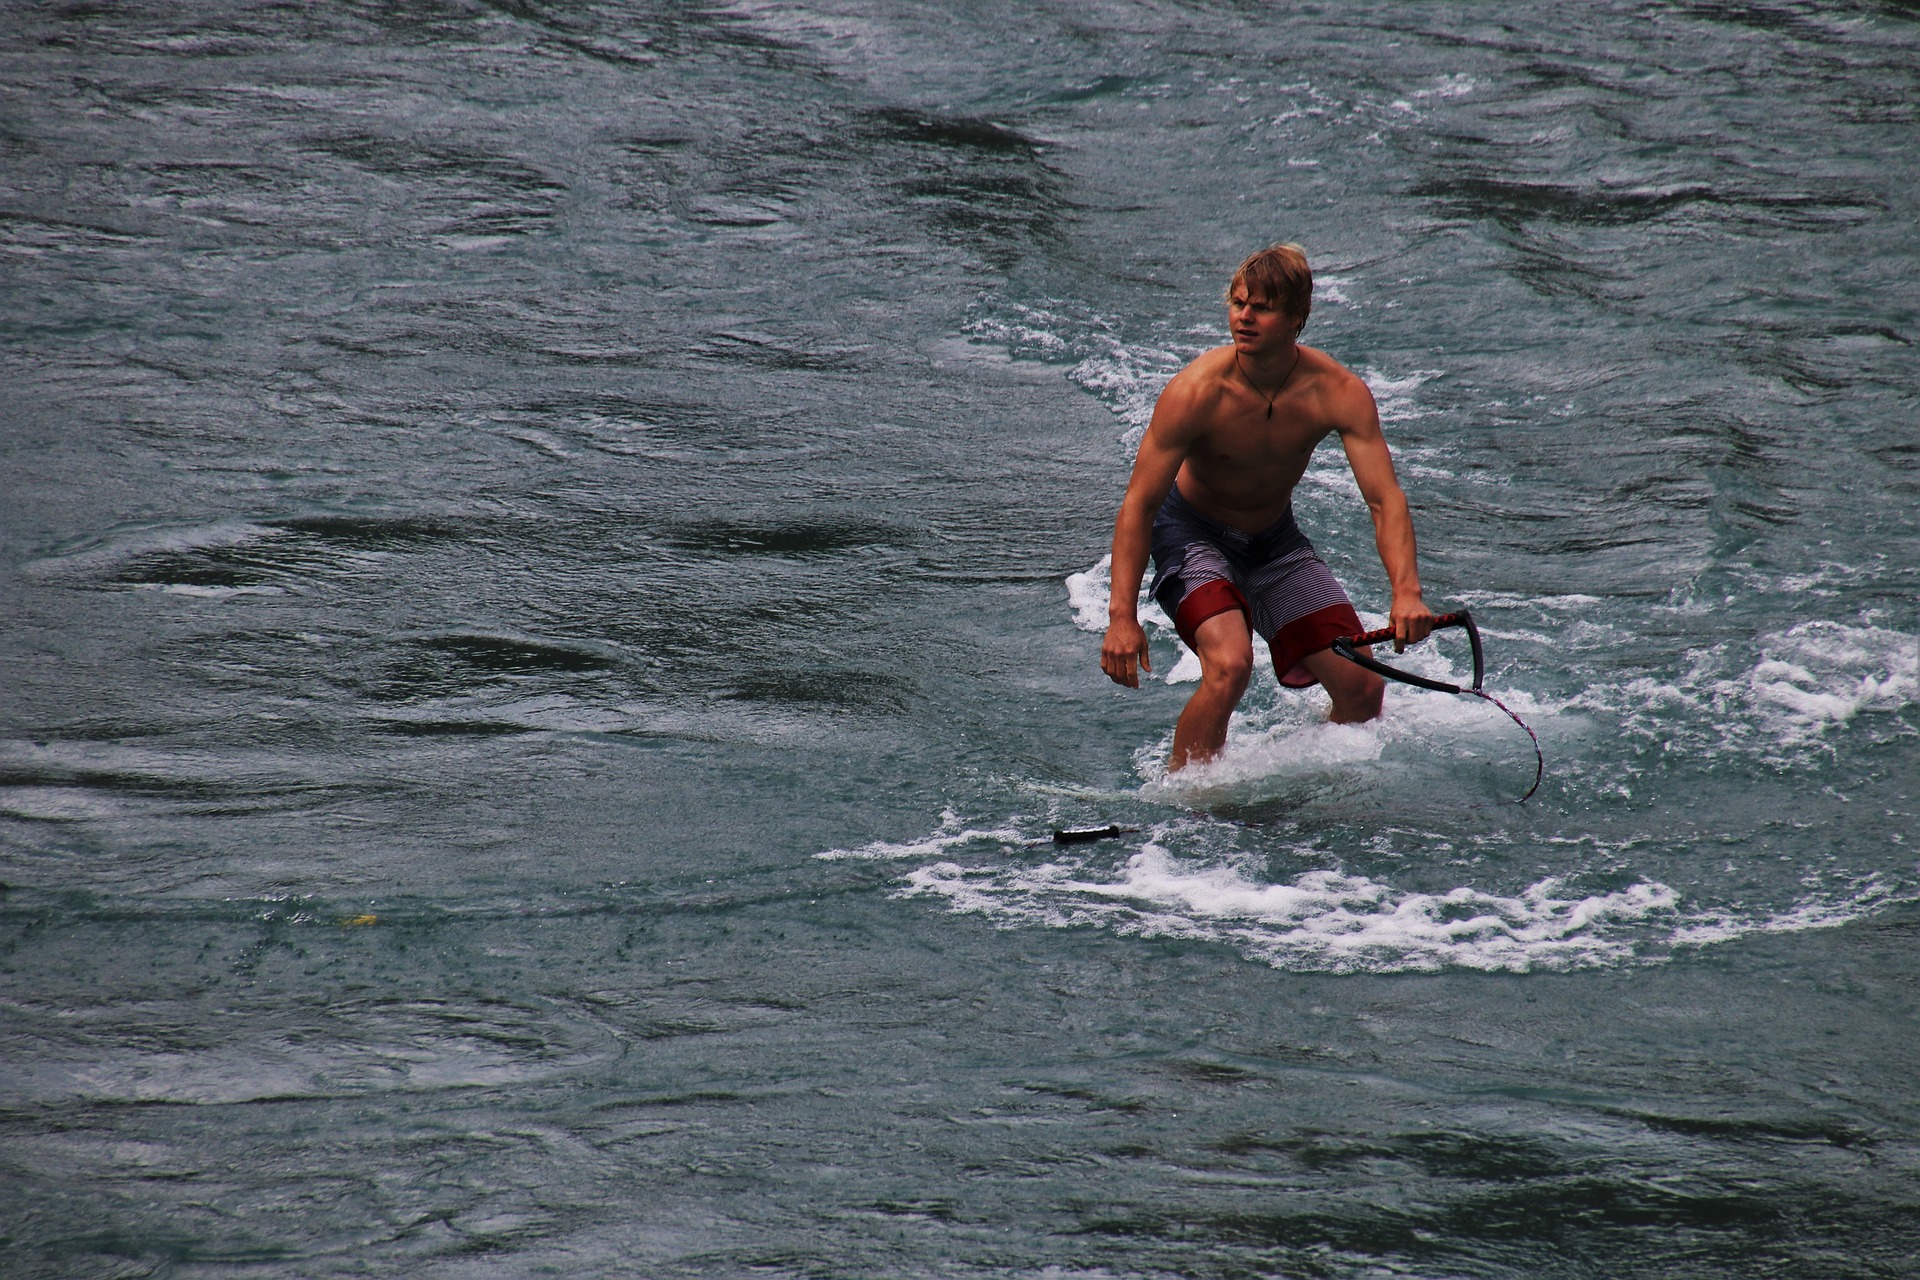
<point x="1162" y="450"/>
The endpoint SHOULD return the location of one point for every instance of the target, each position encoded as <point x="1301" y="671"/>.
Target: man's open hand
<point x="1125" y="645"/>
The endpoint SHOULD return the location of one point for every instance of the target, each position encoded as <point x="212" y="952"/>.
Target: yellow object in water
<point x="350" y="921"/>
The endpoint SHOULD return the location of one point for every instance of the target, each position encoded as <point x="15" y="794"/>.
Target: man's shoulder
<point x="1200" y="382"/>
<point x="1331" y="371"/>
<point x="1208" y="368"/>
<point x="1336" y="383"/>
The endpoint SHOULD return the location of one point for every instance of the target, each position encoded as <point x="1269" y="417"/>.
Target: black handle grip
<point x="1348" y="647"/>
<point x="1082" y="835"/>
<point x="1459" y="619"/>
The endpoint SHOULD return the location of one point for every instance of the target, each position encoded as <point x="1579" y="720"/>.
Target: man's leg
<point x="1357" y="693"/>
<point x="1225" y="647"/>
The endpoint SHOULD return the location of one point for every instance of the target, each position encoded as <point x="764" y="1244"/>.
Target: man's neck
<point x="1271" y="368"/>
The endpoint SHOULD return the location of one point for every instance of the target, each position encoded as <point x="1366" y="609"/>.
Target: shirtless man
<point x="1212" y="498"/>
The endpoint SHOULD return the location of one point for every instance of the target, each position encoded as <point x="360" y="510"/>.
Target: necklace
<point x="1277" y="390"/>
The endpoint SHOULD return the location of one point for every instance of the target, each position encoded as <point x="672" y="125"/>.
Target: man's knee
<point x="1225" y="647"/>
<point x="1228" y="669"/>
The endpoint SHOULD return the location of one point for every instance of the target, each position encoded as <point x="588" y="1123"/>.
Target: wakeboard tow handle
<point x="1349" y="647"/>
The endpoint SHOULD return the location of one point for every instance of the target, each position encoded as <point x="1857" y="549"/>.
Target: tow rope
<point x="1349" y="648"/>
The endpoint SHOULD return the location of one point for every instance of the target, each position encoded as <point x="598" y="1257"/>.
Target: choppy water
<point x="551" y="558"/>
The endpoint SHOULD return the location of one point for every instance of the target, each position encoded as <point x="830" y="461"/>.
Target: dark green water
<point x="547" y="555"/>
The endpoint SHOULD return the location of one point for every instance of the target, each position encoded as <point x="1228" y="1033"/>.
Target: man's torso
<point x="1242" y="466"/>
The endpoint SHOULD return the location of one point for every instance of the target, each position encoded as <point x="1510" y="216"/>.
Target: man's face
<point x="1257" y="325"/>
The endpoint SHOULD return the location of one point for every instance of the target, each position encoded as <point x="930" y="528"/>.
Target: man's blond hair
<point x="1280" y="274"/>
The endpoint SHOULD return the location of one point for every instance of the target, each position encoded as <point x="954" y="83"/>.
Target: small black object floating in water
<point x="1083" y="835"/>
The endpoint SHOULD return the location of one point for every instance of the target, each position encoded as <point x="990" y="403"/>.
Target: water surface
<point x="552" y="558"/>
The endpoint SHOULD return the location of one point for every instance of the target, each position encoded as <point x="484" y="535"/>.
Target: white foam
<point x="1332" y="289"/>
<point x="1806" y="685"/>
<point x="1277" y="738"/>
<point x="1027" y="331"/>
<point x="1458" y="85"/>
<point x="1819" y="674"/>
<point x="1088" y="594"/>
<point x="1322" y="920"/>
<point x="1394" y="396"/>
<point x="1566" y="601"/>
<point x="1186" y="667"/>
<point x="1331" y="920"/>
<point x="1708" y="928"/>
<point x="950" y="836"/>
<point x="1090" y="591"/>
<point x="1126" y="377"/>
<point x="1257" y="752"/>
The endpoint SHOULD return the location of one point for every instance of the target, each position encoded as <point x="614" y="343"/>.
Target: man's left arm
<point x="1358" y="422"/>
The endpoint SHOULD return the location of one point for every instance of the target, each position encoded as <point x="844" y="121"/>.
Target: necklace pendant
<point x="1269" y="410"/>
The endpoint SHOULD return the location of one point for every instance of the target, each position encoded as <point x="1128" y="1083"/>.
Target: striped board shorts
<point x="1290" y="597"/>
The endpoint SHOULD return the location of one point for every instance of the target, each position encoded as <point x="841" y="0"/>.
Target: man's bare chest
<point x="1250" y="442"/>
